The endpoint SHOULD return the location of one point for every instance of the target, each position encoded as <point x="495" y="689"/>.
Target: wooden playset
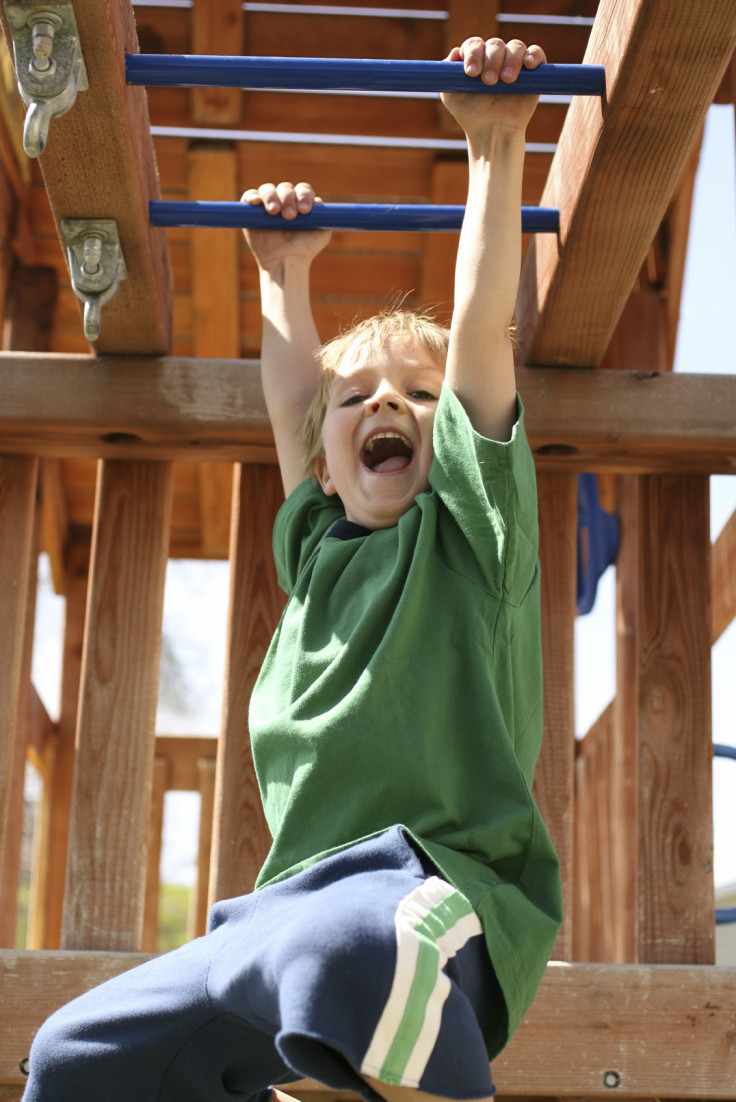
<point x="138" y="433"/>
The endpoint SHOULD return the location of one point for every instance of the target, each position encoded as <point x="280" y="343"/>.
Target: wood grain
<point x="616" y="167"/>
<point x="666" y="1031"/>
<point x="115" y="731"/>
<point x="554" y="777"/>
<point x="186" y="409"/>
<point x="241" y="836"/>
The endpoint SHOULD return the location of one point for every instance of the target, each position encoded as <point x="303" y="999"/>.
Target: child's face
<point x="377" y="432"/>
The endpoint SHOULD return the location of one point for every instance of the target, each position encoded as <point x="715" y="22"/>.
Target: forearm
<point x="480" y="359"/>
<point x="289" y="369"/>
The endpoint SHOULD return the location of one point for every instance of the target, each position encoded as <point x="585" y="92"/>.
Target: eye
<point x="423" y="394"/>
<point x="352" y="400"/>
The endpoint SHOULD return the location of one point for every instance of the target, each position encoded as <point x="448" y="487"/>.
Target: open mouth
<point x="387" y="452"/>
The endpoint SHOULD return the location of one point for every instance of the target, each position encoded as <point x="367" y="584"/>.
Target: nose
<point x="386" y="397"/>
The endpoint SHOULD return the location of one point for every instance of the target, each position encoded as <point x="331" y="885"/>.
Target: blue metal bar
<point x="336" y="216"/>
<point x="355" y="74"/>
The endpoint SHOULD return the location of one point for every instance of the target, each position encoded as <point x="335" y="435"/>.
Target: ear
<point x="325" y="481"/>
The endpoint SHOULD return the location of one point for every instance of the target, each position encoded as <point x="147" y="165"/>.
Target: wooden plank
<point x="675" y="757"/>
<point x="18" y="478"/>
<point x="594" y="828"/>
<point x="59" y="779"/>
<point x="159" y="785"/>
<point x="723" y="578"/>
<point x="616" y="167"/>
<point x="217" y="29"/>
<point x="193" y="410"/>
<point x="99" y="163"/>
<point x="183" y="755"/>
<point x="10" y="857"/>
<point x="115" y="731"/>
<point x="199" y="898"/>
<point x="241" y="837"/>
<point x="666" y="1031"/>
<point x="554" y="777"/>
<point x="216" y="328"/>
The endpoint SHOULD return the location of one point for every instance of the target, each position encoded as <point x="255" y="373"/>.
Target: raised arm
<point x="289" y="371"/>
<point x="480" y="364"/>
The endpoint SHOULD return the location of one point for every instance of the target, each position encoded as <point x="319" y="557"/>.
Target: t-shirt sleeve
<point x="489" y="489"/>
<point x="301" y="523"/>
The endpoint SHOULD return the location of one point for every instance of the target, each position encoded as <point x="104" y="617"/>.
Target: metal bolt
<point x="92" y="255"/>
<point x="42" y="39"/>
<point x="611" y="1080"/>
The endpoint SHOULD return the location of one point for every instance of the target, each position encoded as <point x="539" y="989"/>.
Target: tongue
<point x="393" y="463"/>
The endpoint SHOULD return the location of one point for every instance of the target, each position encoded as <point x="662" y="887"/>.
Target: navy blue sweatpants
<point x="365" y="964"/>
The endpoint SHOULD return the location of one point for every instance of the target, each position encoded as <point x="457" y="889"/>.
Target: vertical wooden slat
<point x="241" y="837"/>
<point x="149" y="938"/>
<point x="662" y="765"/>
<point x="59" y="782"/>
<point x="198" y="907"/>
<point x="723" y="578"/>
<point x="105" y="884"/>
<point x="676" y="920"/>
<point x="554" y="778"/>
<point x="18" y="478"/>
<point x="215" y="318"/>
<point x="217" y="29"/>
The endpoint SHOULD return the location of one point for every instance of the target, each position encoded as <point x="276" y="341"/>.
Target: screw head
<point x="611" y="1080"/>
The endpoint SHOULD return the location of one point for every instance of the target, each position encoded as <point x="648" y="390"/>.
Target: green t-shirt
<point x="404" y="686"/>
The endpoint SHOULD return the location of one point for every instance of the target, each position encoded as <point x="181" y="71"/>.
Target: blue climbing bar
<point x="347" y="74"/>
<point x="336" y="216"/>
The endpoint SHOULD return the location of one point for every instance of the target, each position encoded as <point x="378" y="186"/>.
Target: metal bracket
<point x="96" y="264"/>
<point x="48" y="64"/>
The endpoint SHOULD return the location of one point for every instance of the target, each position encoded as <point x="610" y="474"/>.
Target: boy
<point x="409" y="902"/>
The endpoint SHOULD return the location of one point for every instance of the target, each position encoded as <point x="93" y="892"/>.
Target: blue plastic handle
<point x="336" y="216"/>
<point x="352" y="74"/>
<point x="597" y="542"/>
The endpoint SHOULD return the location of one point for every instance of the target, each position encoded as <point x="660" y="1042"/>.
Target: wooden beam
<point x="193" y="410"/>
<point x="554" y="776"/>
<point x="241" y="836"/>
<point x="662" y="775"/>
<point x="665" y="1031"/>
<point x="213" y="174"/>
<point x="105" y="883"/>
<point x="183" y="754"/>
<point x="18" y="478"/>
<point x="723" y="578"/>
<point x="615" y="169"/>
<point x="217" y="29"/>
<point x="99" y="163"/>
<point x="58" y="782"/>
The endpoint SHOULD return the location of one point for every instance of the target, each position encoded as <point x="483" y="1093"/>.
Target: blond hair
<point x="366" y="336"/>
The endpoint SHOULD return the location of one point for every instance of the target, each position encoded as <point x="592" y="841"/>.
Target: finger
<point x="253" y="196"/>
<point x="534" y="56"/>
<point x="287" y="199"/>
<point x="471" y="54"/>
<point x="454" y="54"/>
<point x="492" y="60"/>
<point x="305" y="197"/>
<point x="269" y="198"/>
<point x="513" y="60"/>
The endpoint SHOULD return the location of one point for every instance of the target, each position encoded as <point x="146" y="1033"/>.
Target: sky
<point x="195" y="613"/>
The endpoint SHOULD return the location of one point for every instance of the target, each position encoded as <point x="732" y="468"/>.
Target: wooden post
<point x="241" y="837"/>
<point x="215" y="320"/>
<point x="105" y="887"/>
<point x="18" y="478"/>
<point x="555" y="775"/>
<point x="59" y="782"/>
<point x="198" y="906"/>
<point x="161" y="772"/>
<point x="663" y="764"/>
